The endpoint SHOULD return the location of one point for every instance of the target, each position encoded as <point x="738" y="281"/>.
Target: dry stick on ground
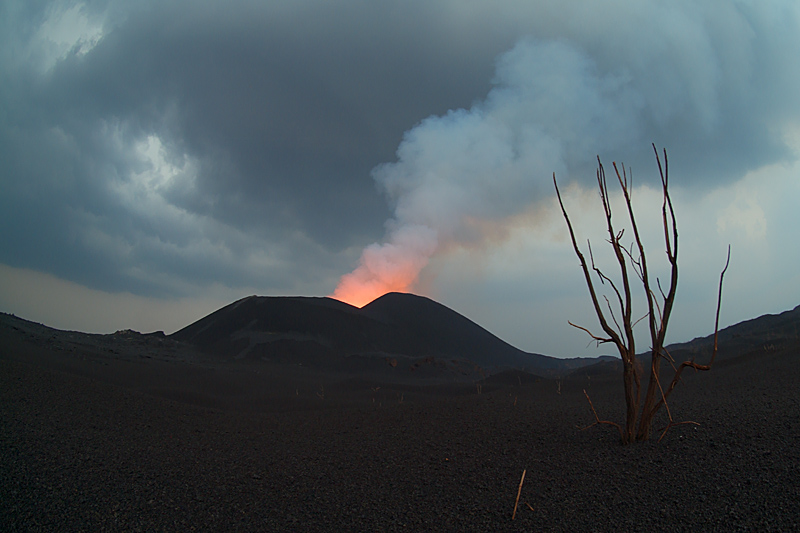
<point x="621" y="335"/>
<point x="519" y="491"/>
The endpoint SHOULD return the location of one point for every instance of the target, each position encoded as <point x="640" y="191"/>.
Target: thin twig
<point x="519" y="491"/>
<point x="719" y="303"/>
<point x="666" y="405"/>
<point x="597" y="418"/>
<point x="613" y="316"/>
<point x="672" y="423"/>
<point x="692" y="364"/>
<point x="610" y="332"/>
<point x="600" y="340"/>
<point x="643" y="317"/>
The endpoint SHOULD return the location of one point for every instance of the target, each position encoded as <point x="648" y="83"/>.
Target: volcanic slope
<point x="319" y="331"/>
<point x="767" y="333"/>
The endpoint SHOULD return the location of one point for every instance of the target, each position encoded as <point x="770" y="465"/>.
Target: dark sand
<point x="149" y="438"/>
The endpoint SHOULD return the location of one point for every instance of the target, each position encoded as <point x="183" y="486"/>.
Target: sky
<point x="161" y="159"/>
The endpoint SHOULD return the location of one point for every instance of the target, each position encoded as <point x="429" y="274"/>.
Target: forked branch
<point x="600" y="340"/>
<point x="615" y="338"/>
<point x="692" y="364"/>
<point x="598" y="421"/>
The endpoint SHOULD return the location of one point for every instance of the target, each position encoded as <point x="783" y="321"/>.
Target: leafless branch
<point x="600" y="340"/>
<point x="668" y="356"/>
<point x="603" y="277"/>
<point x="613" y="316"/>
<point x="598" y="421"/>
<point x="639" y="320"/>
<point x="598" y="311"/>
<point x="692" y="363"/>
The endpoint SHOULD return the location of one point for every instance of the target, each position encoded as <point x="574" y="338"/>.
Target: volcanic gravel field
<point x="100" y="434"/>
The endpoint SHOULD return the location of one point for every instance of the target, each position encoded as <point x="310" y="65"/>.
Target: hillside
<point x="322" y="331"/>
<point x="767" y="334"/>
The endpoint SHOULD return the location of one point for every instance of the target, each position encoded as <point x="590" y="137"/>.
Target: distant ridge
<point x="767" y="333"/>
<point x="403" y="330"/>
<point x="394" y="325"/>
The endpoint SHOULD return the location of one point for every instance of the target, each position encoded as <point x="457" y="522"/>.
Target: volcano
<point x="320" y="331"/>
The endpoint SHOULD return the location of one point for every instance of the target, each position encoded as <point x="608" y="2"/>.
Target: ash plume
<point x="685" y="81"/>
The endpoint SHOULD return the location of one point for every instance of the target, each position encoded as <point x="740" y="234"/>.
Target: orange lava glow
<point x="390" y="267"/>
<point x="375" y="277"/>
<point x="360" y="294"/>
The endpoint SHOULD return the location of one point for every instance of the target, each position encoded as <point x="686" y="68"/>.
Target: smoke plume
<point x="690" y="84"/>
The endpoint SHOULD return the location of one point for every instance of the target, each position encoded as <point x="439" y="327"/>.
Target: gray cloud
<point x="282" y="110"/>
<point x="158" y="147"/>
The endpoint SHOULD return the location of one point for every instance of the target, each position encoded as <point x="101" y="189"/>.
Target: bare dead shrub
<point x="619" y="330"/>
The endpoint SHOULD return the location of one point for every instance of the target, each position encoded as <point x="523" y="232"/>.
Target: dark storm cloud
<point x="282" y="109"/>
<point x="192" y="142"/>
<point x="291" y="110"/>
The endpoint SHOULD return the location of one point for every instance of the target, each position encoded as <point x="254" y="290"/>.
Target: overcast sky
<point x="160" y="159"/>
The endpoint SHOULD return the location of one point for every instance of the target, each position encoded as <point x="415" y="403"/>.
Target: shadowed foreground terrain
<point x="143" y="433"/>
